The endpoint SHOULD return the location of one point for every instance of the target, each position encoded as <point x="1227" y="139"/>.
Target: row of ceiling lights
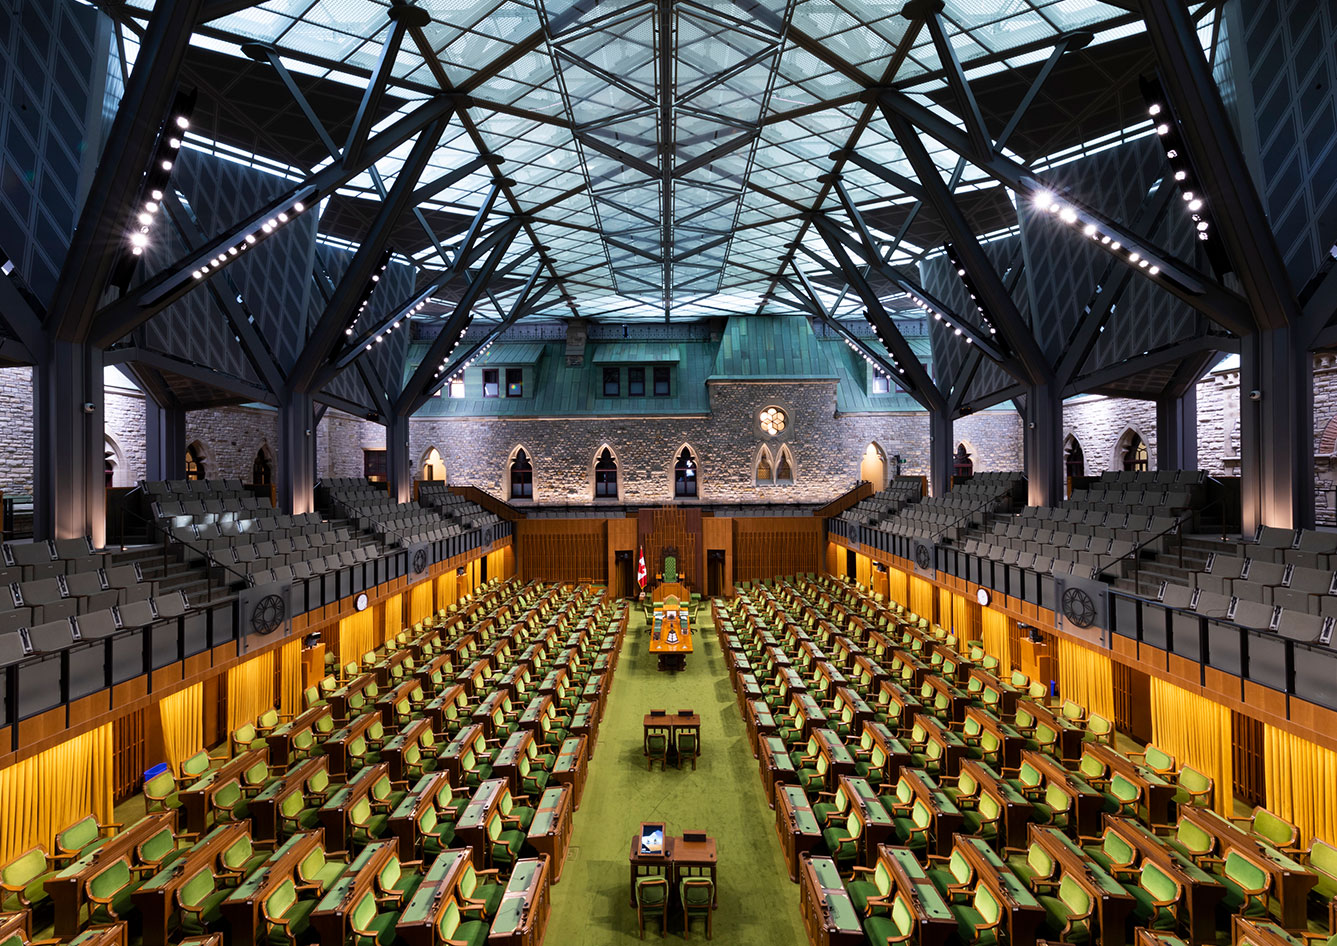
<point x="250" y="239"/>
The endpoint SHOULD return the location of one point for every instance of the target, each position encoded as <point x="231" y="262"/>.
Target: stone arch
<point x="1327" y="441"/>
<point x="520" y="462"/>
<point x="600" y="486"/>
<point x="432" y="466"/>
<point x="262" y="466"/>
<point x="763" y="467"/>
<point x="1074" y="457"/>
<point x="113" y="463"/>
<point x="691" y="484"/>
<point x="873" y="465"/>
<point x="963" y="459"/>
<point x="1131" y="451"/>
<point x="785" y="472"/>
<point x="197" y="461"/>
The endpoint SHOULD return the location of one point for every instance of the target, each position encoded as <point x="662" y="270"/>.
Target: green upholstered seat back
<point x="902" y="918"/>
<point x="1272" y="828"/>
<point x="1158" y="883"/>
<point x="269" y="719"/>
<point x="24" y="869"/>
<point x="1119" y="851"/>
<point x="291" y="805"/>
<point x="1091" y="767"/>
<point x="199" y="886"/>
<point x="157" y="846"/>
<point x="920" y="815"/>
<point x="1073" y="895"/>
<point x="651" y="890"/>
<point x="1323" y="858"/>
<point x="1123" y="789"/>
<point x="360" y="811"/>
<point x="1056" y="798"/>
<point x="985" y="904"/>
<point x="1073" y="710"/>
<point x="1099" y="725"/>
<point x="1194" y="839"/>
<point x="1038" y="860"/>
<point x="988" y="808"/>
<point x="110" y="879"/>
<point x="243" y="736"/>
<point x="1245" y="872"/>
<point x="1193" y="780"/>
<point x="238" y="852"/>
<point x="1159" y="759"/>
<point x="228" y="794"/>
<point x="697" y="892"/>
<point x="161" y="785"/>
<point x="959" y="867"/>
<point x="78" y="835"/>
<point x="312" y="864"/>
<point x="468" y="880"/>
<point x="882" y="879"/>
<point x="364" y="914"/>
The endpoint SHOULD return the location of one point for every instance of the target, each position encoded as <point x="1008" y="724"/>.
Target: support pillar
<point x="1276" y="431"/>
<point x="398" y="467"/>
<point x="1177" y="431"/>
<point x="165" y="436"/>
<point x="941" y="452"/>
<point x="297" y="453"/>
<point x="70" y="496"/>
<point x="1043" y="444"/>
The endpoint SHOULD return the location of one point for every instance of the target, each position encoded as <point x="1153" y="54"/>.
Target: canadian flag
<point x="641" y="575"/>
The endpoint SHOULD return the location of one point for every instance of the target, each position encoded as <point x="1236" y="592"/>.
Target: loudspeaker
<point x="715" y="555"/>
<point x="622" y="556"/>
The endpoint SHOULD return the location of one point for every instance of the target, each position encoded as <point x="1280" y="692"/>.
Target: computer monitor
<point x="652" y="838"/>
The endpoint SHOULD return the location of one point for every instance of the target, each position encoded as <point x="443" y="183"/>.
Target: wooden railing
<point x="489" y="502"/>
<point x="838" y="505"/>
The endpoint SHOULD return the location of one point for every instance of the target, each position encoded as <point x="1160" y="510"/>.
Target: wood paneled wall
<point x="562" y="549"/>
<point x="784" y="545"/>
<point x="621" y="538"/>
<point x="718" y="534"/>
<point x="669" y="527"/>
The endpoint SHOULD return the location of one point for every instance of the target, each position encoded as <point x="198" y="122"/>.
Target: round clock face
<point x="982" y="596"/>
<point x="362" y="601"/>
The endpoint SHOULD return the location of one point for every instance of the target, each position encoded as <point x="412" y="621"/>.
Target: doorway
<point x="624" y="579"/>
<point x="714" y="573"/>
<point x="851" y="565"/>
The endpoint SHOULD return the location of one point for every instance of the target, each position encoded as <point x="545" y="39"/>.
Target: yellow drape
<point x="1086" y="677"/>
<point x="393" y="618"/>
<point x="182" y="716"/>
<point x="445" y="591"/>
<point x="1300" y="776"/>
<point x="863" y="570"/>
<point x="47" y="793"/>
<point x="420" y="601"/>
<point x="356" y="637"/>
<point x="921" y="597"/>
<point x="994" y="637"/>
<point x="250" y="690"/>
<point x="291" y="680"/>
<point x="1196" y="731"/>
<point x="898" y="587"/>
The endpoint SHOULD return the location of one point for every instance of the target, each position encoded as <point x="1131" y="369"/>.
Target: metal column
<point x="1276" y="432"/>
<point x="1043" y="442"/>
<point x="399" y="468"/>
<point x="297" y="453"/>
<point x="165" y="436"/>
<point x="1177" y="431"/>
<point x="70" y="498"/>
<point x="941" y="452"/>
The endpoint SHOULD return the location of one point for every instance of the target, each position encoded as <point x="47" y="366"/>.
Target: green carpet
<point x="723" y="797"/>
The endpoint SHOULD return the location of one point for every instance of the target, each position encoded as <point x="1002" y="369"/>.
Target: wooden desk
<point x="507" y="762"/>
<point x="1157" y="794"/>
<point x="828" y="913"/>
<point x="953" y="747"/>
<point x="385" y="669"/>
<point x="806" y="714"/>
<point x="947" y="818"/>
<point x="1070" y="735"/>
<point x="585" y="722"/>
<point x="197" y="798"/>
<point x="1010" y="742"/>
<point x="1087" y="802"/>
<point x="241" y="909"/>
<point x="156" y="900"/>
<point x="933" y="918"/>
<point x="899" y="706"/>
<point x="854" y="794"/>
<point x="570" y="765"/>
<point x="1022" y="913"/>
<point x="694" y="859"/>
<point x="1004" y="696"/>
<point x="16" y="923"/>
<point x="522" y="915"/>
<point x="351" y="696"/>
<point x="418" y="923"/>
<point x="337" y="745"/>
<point x="777" y="768"/>
<point x="1202" y="891"/>
<point x="334" y="814"/>
<point x="264" y="808"/>
<point x="280" y="739"/>
<point x="394" y="752"/>
<point x="760" y="722"/>
<point x="826" y="745"/>
<point x="796" y="826"/>
<point x="453" y="757"/>
<point x="884" y="751"/>
<point x="1244" y="932"/>
<point x="1112" y="903"/>
<point x="1291" y="881"/>
<point x="671" y="640"/>
<point x="550" y="831"/>
<point x="538" y="707"/>
<point x="330" y="917"/>
<point x="112" y="935"/>
<point x="403" y="821"/>
<point x="1016" y="810"/>
<point x="471" y="827"/>
<point x="68" y="889"/>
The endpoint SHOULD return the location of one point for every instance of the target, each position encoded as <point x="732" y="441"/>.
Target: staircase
<point x="172" y="574"/>
<point x="1145" y="580"/>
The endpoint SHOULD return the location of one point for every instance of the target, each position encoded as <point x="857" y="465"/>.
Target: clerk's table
<point x="671" y="638"/>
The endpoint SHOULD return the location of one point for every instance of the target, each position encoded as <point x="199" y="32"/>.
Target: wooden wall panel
<point x="562" y="549"/>
<point x="718" y="534"/>
<point x="783" y="545"/>
<point x="621" y="538"/>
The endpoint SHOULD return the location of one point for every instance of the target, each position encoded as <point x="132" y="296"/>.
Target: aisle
<point x="757" y="903"/>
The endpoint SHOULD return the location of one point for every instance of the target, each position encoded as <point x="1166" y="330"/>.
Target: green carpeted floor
<point x="723" y="797"/>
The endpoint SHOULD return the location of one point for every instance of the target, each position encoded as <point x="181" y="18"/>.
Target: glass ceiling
<point x="665" y="153"/>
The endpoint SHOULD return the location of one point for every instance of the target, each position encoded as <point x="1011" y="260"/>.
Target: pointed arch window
<point x="784" y="468"/>
<point x="194" y="462"/>
<point x="684" y="474"/>
<point x="522" y="476"/>
<point x="605" y="476"/>
<point x="1134" y="456"/>
<point x="262" y="472"/>
<point x="765" y="473"/>
<point x="1074" y="460"/>
<point x="962" y="465"/>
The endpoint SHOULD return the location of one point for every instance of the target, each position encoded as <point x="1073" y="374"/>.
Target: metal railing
<point x="1185" y="516"/>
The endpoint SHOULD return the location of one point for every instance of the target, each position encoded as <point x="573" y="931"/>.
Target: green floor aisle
<point x="723" y="797"/>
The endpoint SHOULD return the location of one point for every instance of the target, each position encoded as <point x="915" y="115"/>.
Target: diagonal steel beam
<point x="100" y="234"/>
<point x="21" y="315"/>
<point x="994" y="296"/>
<point x="340" y="313"/>
<point x="226" y="298"/>
<point x="1219" y="161"/>
<point x="417" y="390"/>
<point x="177" y="280"/>
<point x="402" y="16"/>
<point x="911" y="369"/>
<point x="820" y="310"/>
<point x="217" y="9"/>
<point x="1178" y="278"/>
<point x="967" y="107"/>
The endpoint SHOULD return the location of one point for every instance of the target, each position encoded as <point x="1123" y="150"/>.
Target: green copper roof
<point x="525" y="353"/>
<point x="634" y="353"/>
<point x="755" y="347"/>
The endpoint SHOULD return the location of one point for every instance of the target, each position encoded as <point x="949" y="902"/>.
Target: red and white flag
<point x="641" y="575"/>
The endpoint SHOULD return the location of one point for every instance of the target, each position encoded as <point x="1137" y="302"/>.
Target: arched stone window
<point x="764" y="470"/>
<point x="113" y="463"/>
<point x="1132" y="454"/>
<point x="962" y="464"/>
<point x="262" y="469"/>
<point x="605" y="475"/>
<point x="1074" y="459"/>
<point x="1327" y="441"/>
<point x="873" y="466"/>
<point x="684" y="475"/>
<point x="522" y="476"/>
<point x="784" y="468"/>
<point x="195" y="461"/>
<point x="433" y="467"/>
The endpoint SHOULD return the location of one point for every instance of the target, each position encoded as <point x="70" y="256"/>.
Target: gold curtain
<point x="994" y="637"/>
<point x="1300" y="776"/>
<point x="291" y="680"/>
<point x="445" y="590"/>
<point x="392" y="616"/>
<point x="1196" y="731"/>
<point x="182" y="716"/>
<point x="898" y="587"/>
<point x="921" y="597"/>
<point x="863" y="570"/>
<point x="420" y="601"/>
<point x="45" y="794"/>
<point x="1086" y="677"/>
<point x="356" y="633"/>
<point x="250" y="690"/>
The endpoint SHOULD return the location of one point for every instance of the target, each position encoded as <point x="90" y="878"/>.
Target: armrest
<point x="111" y="824"/>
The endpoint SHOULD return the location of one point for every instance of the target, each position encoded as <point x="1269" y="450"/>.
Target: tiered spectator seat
<point x="969" y="503"/>
<point x="432" y="519"/>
